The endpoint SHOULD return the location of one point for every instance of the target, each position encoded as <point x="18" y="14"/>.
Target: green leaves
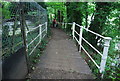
<point x="5" y="10"/>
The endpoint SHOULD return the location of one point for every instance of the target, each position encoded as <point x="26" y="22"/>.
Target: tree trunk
<point x="73" y="14"/>
<point x="59" y="16"/>
<point x="86" y="17"/>
<point x="23" y="31"/>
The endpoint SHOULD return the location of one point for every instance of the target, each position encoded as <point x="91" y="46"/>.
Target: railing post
<point x="65" y="24"/>
<point x="105" y="54"/>
<point x="26" y="38"/>
<point x="40" y="32"/>
<point x="27" y="42"/>
<point x="73" y="30"/>
<point x="62" y="25"/>
<point x="46" y="27"/>
<point x="80" y="38"/>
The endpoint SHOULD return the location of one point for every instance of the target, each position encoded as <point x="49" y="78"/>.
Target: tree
<point x="102" y="11"/>
<point x="74" y="13"/>
<point x="57" y="9"/>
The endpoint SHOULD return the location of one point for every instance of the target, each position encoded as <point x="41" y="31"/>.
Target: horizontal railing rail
<point x="33" y="40"/>
<point x="92" y="46"/>
<point x="32" y="29"/>
<point x="90" y="57"/>
<point x="90" y="31"/>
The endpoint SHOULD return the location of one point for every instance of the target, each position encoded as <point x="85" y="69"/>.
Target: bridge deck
<point x="61" y="60"/>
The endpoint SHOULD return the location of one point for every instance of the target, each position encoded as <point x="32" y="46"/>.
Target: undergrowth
<point x="112" y="69"/>
<point x="35" y="57"/>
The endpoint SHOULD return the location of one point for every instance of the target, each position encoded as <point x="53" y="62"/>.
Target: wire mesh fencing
<point x="33" y="15"/>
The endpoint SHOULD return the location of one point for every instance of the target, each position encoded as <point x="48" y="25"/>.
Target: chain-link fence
<point x="33" y="15"/>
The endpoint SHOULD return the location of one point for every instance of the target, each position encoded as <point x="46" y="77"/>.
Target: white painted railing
<point x="38" y="36"/>
<point x="103" y="55"/>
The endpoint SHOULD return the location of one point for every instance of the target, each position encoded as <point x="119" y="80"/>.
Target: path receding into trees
<point x="61" y="60"/>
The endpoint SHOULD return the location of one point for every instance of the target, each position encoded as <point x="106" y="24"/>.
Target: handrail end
<point x="108" y="38"/>
<point x="40" y="25"/>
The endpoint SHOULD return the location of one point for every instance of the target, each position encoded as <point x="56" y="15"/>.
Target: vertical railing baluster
<point x="105" y="54"/>
<point x="80" y="38"/>
<point x="73" y="30"/>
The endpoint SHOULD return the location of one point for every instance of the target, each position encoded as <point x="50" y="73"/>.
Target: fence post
<point x="105" y="54"/>
<point x="80" y="38"/>
<point x="73" y="30"/>
<point x="40" y="32"/>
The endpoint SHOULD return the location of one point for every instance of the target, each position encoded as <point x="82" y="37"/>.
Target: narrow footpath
<point x="61" y="60"/>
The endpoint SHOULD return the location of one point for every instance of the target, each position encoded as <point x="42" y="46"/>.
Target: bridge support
<point x="105" y="54"/>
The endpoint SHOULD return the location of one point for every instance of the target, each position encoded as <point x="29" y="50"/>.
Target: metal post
<point x="26" y="33"/>
<point x="26" y="36"/>
<point x="46" y="27"/>
<point x="40" y="32"/>
<point x="65" y="25"/>
<point x="80" y="39"/>
<point x="105" y="54"/>
<point x="62" y="25"/>
<point x="73" y="30"/>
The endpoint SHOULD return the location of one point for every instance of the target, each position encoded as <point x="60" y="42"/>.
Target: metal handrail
<point x="105" y="50"/>
<point x="90" y="57"/>
<point x="77" y="33"/>
<point x="33" y="39"/>
<point x="77" y="40"/>
<point x="88" y="54"/>
<point x="88" y="43"/>
<point x="92" y="46"/>
<point x="36" y="27"/>
<point x="36" y="37"/>
<point x="34" y="48"/>
<point x="39" y="35"/>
